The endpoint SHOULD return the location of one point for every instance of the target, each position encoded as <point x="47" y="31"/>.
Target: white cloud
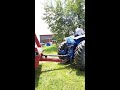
<point x="40" y="26"/>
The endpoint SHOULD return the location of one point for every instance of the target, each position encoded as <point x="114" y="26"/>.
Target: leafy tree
<point x="64" y="16"/>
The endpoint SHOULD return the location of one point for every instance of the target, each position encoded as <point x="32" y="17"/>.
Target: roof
<point x="46" y="34"/>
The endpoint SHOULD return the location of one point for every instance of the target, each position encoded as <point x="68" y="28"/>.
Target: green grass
<point x="50" y="49"/>
<point x="56" y="76"/>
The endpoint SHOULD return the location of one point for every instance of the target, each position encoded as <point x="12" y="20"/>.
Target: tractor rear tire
<point x="62" y="46"/>
<point x="79" y="58"/>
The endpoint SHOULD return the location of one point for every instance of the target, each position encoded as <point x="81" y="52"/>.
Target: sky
<point x="41" y="27"/>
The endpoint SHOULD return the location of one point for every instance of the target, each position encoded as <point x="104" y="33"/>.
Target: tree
<point x="63" y="17"/>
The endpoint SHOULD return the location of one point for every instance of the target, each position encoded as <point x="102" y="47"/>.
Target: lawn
<point x="50" y="49"/>
<point x="56" y="76"/>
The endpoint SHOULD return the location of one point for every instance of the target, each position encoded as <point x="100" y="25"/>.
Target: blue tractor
<point x="73" y="51"/>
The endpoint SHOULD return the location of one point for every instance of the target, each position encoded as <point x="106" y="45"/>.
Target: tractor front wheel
<point x="63" y="46"/>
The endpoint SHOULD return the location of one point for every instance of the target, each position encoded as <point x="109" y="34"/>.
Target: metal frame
<point x="42" y="57"/>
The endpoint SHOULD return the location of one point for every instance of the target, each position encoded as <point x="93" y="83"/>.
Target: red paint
<point x="37" y="41"/>
<point x="40" y="56"/>
<point x="51" y="59"/>
<point x="37" y="59"/>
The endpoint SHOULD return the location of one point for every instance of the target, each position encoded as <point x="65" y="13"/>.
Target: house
<point x="47" y="38"/>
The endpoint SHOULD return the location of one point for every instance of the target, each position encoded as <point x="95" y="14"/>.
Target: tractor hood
<point x="79" y="37"/>
<point x="73" y="37"/>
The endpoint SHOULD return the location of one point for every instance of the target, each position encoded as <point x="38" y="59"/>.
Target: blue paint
<point x="71" y="46"/>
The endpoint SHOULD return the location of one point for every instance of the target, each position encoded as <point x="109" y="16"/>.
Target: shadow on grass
<point x="74" y="68"/>
<point x="37" y="75"/>
<point x="53" y="70"/>
<point x="68" y="66"/>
